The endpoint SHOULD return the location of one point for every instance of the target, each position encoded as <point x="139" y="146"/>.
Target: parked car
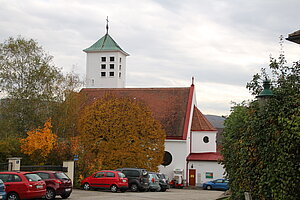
<point x="2" y="190"/>
<point x="138" y="179"/>
<point x="106" y="179"/>
<point x="57" y="183"/>
<point x="218" y="184"/>
<point x="163" y="182"/>
<point x="23" y="185"/>
<point x="154" y="182"/>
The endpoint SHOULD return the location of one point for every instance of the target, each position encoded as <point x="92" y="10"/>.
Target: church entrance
<point x="192" y="177"/>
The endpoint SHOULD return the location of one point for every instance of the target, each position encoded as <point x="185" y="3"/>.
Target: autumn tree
<point x="39" y="143"/>
<point x="32" y="87"/>
<point x="121" y="132"/>
<point x="261" y="140"/>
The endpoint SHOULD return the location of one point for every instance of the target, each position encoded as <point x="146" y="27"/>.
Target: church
<point x="191" y="154"/>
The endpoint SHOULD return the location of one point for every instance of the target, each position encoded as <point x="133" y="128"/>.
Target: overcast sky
<point x="221" y="43"/>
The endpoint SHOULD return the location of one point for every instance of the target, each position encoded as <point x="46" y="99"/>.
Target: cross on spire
<point x="107" y="25"/>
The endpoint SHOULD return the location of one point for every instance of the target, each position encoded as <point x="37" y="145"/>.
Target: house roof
<point x="200" y="122"/>
<point x="171" y="106"/>
<point x="209" y="156"/>
<point x="294" y="37"/>
<point x="106" y="43"/>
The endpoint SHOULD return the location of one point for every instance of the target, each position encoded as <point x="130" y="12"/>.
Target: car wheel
<point x="86" y="186"/>
<point x="13" y="196"/>
<point x="208" y="187"/>
<point x="163" y="189"/>
<point x="65" y="196"/>
<point x="134" y="188"/>
<point x="114" y="188"/>
<point x="50" y="194"/>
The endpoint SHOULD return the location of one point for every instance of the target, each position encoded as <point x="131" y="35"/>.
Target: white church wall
<point x="206" y="168"/>
<point x="177" y="148"/>
<point x="121" y="70"/>
<point x="94" y="78"/>
<point x="204" y="141"/>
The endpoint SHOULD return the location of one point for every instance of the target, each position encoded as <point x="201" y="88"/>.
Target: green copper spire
<point x="106" y="43"/>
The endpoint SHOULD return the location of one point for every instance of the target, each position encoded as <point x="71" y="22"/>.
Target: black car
<point x="163" y="181"/>
<point x="138" y="179"/>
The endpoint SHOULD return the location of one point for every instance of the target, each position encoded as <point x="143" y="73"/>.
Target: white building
<point x="190" y="146"/>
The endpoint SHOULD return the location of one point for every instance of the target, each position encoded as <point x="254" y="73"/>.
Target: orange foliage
<point x="39" y="142"/>
<point x="75" y="145"/>
<point x="122" y="132"/>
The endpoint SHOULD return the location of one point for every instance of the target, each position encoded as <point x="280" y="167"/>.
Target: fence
<point x="44" y="167"/>
<point x="6" y="166"/>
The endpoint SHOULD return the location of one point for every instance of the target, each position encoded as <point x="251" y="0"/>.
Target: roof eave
<point x="206" y="130"/>
<point x="188" y="112"/>
<point x="101" y="50"/>
<point x="295" y="39"/>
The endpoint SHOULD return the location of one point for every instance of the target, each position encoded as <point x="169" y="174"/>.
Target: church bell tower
<point x="105" y="64"/>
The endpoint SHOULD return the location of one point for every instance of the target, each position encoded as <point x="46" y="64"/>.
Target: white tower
<point x="105" y="64"/>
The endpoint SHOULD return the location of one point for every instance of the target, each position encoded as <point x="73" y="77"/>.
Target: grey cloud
<point x="170" y="41"/>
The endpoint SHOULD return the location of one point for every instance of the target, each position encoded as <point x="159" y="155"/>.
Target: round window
<point x="167" y="159"/>
<point x="206" y="139"/>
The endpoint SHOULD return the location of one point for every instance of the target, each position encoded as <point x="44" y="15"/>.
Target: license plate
<point x="68" y="190"/>
<point x="39" y="186"/>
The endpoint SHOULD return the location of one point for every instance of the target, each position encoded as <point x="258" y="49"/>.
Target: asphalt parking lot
<point x="172" y="194"/>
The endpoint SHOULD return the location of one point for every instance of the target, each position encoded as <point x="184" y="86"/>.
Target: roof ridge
<point x="170" y="88"/>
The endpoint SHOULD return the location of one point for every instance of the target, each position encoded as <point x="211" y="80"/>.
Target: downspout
<point x="191" y="138"/>
<point x="187" y="173"/>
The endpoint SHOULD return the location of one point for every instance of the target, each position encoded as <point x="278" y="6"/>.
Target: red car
<point x="23" y="185"/>
<point x="106" y="179"/>
<point x="58" y="183"/>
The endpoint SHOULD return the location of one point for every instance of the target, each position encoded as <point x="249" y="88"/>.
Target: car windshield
<point x="61" y="175"/>
<point x="121" y="175"/>
<point x="32" y="177"/>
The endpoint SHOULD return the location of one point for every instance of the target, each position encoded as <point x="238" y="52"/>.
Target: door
<point x="109" y="179"/>
<point x="97" y="179"/>
<point x="14" y="182"/>
<point x="192" y="177"/>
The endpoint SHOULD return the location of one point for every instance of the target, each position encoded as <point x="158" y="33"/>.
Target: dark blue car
<point x="218" y="184"/>
<point x="2" y="190"/>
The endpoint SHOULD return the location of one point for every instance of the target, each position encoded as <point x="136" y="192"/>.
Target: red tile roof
<point x="200" y="122"/>
<point x="209" y="156"/>
<point x="169" y="105"/>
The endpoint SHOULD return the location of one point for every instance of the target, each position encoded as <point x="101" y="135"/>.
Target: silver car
<point x="154" y="183"/>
